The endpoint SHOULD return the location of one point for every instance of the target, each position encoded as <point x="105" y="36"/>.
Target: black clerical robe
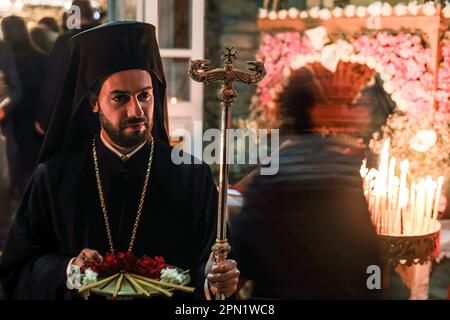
<point x="60" y="214"/>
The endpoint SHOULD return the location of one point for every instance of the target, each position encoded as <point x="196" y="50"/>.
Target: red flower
<point x="144" y="266"/>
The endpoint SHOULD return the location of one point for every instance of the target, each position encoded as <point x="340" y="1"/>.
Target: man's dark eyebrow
<point x="126" y="92"/>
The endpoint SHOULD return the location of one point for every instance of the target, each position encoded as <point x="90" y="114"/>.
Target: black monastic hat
<point x="96" y="54"/>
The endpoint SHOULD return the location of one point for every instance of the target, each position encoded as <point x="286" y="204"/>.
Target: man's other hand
<point x="88" y="255"/>
<point x="223" y="277"/>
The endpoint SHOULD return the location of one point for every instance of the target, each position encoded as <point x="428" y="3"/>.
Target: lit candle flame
<point x="399" y="207"/>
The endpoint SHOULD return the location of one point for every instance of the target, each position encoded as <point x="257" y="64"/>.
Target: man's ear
<point x="95" y="107"/>
<point x="93" y="101"/>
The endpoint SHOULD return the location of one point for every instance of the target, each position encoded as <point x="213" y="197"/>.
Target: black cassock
<point x="60" y="215"/>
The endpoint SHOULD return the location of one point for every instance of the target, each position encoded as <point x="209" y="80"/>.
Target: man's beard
<point x="117" y="133"/>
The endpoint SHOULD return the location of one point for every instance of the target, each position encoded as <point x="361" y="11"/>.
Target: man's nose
<point x="134" y="108"/>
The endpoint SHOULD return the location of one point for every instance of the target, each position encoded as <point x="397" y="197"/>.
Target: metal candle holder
<point x="407" y="250"/>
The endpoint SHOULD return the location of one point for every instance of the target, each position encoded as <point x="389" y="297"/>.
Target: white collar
<point x="123" y="157"/>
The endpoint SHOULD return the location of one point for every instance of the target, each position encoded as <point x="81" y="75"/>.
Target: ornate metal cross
<point x="227" y="75"/>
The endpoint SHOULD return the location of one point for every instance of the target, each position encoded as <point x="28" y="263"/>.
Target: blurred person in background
<point x="42" y="38"/>
<point x="10" y="96"/>
<point x="305" y="233"/>
<point x="45" y="33"/>
<point x="50" y="23"/>
<point x="58" y="61"/>
<point x="30" y="64"/>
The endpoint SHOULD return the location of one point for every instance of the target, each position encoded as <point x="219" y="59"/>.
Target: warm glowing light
<point x="18" y="5"/>
<point x="400" y="205"/>
<point x="67" y="5"/>
<point x="423" y="140"/>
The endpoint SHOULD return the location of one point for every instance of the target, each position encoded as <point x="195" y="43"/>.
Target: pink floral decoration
<point x="402" y="57"/>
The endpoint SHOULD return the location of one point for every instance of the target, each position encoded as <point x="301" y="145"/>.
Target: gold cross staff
<point x="227" y="75"/>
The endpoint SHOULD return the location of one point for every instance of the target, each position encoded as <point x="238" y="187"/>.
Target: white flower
<point x="338" y="12"/>
<point x="314" y="12"/>
<point x="349" y="10"/>
<point x="396" y="97"/>
<point x="385" y="76"/>
<point x="388" y="87"/>
<point x="386" y="9"/>
<point x="378" y="67"/>
<point x="309" y="58"/>
<point x="423" y="140"/>
<point x="401" y="9"/>
<point x="353" y="58"/>
<point x="429" y="9"/>
<point x="74" y="277"/>
<point x="172" y="276"/>
<point x="330" y="57"/>
<point x="287" y="72"/>
<point x="300" y="59"/>
<point x="325" y="14"/>
<point x="402" y="105"/>
<point x="316" y="57"/>
<point x="298" y="62"/>
<point x="304" y="14"/>
<point x="293" y="13"/>
<point x="273" y="15"/>
<point x="318" y="37"/>
<point x="361" y="59"/>
<point x="413" y="8"/>
<point x="371" y="62"/>
<point x="446" y="10"/>
<point x="361" y="11"/>
<point x="295" y="65"/>
<point x="374" y="9"/>
<point x="263" y="13"/>
<point x="282" y="14"/>
<point x="345" y="49"/>
<point x="89" y="276"/>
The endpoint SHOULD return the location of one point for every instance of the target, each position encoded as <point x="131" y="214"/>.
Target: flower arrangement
<point x="401" y="59"/>
<point x="443" y="90"/>
<point x="143" y="266"/>
<point x="403" y="63"/>
<point x="124" y="274"/>
<point x="423" y="140"/>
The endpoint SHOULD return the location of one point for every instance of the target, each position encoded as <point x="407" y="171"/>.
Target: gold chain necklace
<point x="102" y="198"/>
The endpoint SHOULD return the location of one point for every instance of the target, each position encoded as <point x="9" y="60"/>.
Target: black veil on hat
<point x="96" y="54"/>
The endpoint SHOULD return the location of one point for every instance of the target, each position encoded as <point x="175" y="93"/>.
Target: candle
<point x="430" y="188"/>
<point x="371" y="178"/>
<point x="395" y="208"/>
<point x="418" y="207"/>
<point x="402" y="195"/>
<point x="363" y="172"/>
<point x="436" y="202"/>
<point x="390" y="188"/>
<point x="382" y="184"/>
<point x="412" y="210"/>
<point x="395" y="201"/>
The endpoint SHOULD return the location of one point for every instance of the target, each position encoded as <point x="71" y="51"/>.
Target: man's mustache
<point x="132" y="121"/>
